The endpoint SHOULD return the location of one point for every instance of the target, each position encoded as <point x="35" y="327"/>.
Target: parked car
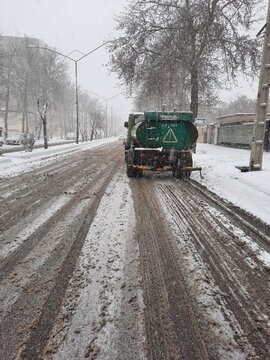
<point x="14" y="139"/>
<point x="71" y="136"/>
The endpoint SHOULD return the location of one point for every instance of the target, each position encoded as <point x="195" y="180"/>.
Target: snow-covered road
<point x="96" y="265"/>
<point x="250" y="191"/>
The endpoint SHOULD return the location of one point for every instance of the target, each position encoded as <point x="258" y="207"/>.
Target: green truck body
<point x="166" y="130"/>
<point x="160" y="141"/>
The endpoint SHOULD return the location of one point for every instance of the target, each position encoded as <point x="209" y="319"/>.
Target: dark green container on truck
<point x="160" y="141"/>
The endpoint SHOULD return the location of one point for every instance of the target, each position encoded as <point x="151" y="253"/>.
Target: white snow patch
<point x="15" y="163"/>
<point x="248" y="190"/>
<point x="207" y="294"/>
<point x="29" y="267"/>
<point x="31" y="228"/>
<point x="92" y="303"/>
<point x="261" y="254"/>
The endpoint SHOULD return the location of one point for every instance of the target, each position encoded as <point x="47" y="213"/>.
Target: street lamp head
<point x="75" y="62"/>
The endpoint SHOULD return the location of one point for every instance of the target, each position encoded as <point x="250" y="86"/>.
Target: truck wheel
<point x="189" y="163"/>
<point x="178" y="175"/>
<point x="130" y="171"/>
<point x="140" y="173"/>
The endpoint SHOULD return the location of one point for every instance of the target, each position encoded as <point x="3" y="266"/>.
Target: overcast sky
<point x="83" y="25"/>
<point x="68" y="25"/>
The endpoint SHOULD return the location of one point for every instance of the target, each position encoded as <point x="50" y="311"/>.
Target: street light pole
<point x="76" y="75"/>
<point x="77" y="103"/>
<point x="106" y="108"/>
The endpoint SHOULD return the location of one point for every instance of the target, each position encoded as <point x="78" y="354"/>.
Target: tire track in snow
<point x="171" y="315"/>
<point x="45" y="282"/>
<point x="33" y="347"/>
<point x="90" y="318"/>
<point x="30" y="229"/>
<point x="217" y="245"/>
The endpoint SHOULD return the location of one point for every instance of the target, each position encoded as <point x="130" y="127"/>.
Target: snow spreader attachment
<point x="160" y="160"/>
<point x="137" y="171"/>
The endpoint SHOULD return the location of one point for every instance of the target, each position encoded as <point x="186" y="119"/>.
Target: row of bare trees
<point x="180" y="52"/>
<point x="34" y="76"/>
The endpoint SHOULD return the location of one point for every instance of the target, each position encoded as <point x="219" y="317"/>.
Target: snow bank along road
<point x="95" y="265"/>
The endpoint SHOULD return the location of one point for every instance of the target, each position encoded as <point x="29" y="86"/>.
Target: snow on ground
<point x="248" y="190"/>
<point x="208" y="295"/>
<point x="94" y="303"/>
<point x="14" y="163"/>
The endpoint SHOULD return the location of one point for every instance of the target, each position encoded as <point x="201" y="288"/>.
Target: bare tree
<point x="161" y="86"/>
<point x="28" y="74"/>
<point x="7" y="98"/>
<point x="64" y="105"/>
<point x="206" y="41"/>
<point x="8" y="56"/>
<point x="241" y="104"/>
<point x="91" y="115"/>
<point x="49" y="81"/>
<point x="43" y="109"/>
<point x="23" y="69"/>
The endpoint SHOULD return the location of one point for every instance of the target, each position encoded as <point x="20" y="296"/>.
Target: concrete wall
<point x="202" y="134"/>
<point x="236" y="135"/>
<point x="212" y="133"/>
<point x="231" y="130"/>
<point x="236" y="130"/>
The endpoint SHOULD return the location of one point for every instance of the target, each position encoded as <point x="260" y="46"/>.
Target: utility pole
<point x="256" y="154"/>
